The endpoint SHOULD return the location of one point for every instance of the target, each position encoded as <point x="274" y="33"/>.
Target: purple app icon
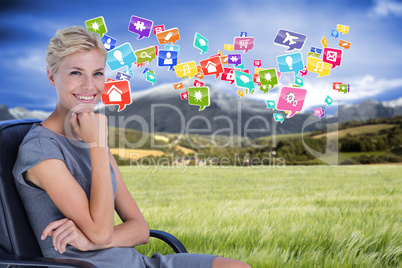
<point x="234" y="59"/>
<point x="140" y="26"/>
<point x="290" y="39"/>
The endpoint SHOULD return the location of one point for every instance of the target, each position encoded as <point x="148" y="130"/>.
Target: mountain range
<point x="160" y="109"/>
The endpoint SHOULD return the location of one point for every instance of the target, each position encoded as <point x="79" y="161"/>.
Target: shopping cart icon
<point x="243" y="43"/>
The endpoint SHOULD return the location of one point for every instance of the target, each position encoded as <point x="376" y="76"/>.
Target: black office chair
<point x="18" y="245"/>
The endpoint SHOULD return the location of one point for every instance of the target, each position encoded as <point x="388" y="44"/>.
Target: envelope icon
<point x="332" y="55"/>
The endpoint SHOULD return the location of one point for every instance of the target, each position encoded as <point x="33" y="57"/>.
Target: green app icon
<point x="271" y="104"/>
<point x="201" y="43"/>
<point x="244" y="80"/>
<point x="96" y="25"/>
<point x="150" y="77"/>
<point x="269" y="78"/>
<point x="199" y="96"/>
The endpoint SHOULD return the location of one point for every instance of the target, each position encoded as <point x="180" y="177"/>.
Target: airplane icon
<point x="290" y="39"/>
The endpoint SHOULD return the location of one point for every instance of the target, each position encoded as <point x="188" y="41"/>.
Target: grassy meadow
<point x="293" y="216"/>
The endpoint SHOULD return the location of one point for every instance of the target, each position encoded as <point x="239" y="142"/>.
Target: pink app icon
<point x="332" y="56"/>
<point x="243" y="43"/>
<point x="291" y="99"/>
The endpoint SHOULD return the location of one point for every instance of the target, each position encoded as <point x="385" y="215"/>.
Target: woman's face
<point x="79" y="81"/>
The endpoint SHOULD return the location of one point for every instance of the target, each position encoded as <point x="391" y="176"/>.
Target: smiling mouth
<point x="85" y="98"/>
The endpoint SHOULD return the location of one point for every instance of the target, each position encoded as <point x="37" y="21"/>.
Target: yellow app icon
<point x="324" y="41"/>
<point x="240" y="93"/>
<point x="342" y="28"/>
<point x="187" y="69"/>
<point x="318" y="66"/>
<point x="228" y="47"/>
<point x="257" y="70"/>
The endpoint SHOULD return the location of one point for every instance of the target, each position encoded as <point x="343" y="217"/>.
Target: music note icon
<point x="316" y="67"/>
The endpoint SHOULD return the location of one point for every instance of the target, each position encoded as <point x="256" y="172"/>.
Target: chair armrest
<point x="8" y="259"/>
<point x="170" y="240"/>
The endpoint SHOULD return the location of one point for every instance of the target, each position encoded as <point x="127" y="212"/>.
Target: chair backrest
<point x="16" y="236"/>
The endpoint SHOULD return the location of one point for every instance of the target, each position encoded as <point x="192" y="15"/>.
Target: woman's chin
<point x="83" y="108"/>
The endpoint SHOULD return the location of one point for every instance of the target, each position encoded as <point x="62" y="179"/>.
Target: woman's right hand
<point x="91" y="128"/>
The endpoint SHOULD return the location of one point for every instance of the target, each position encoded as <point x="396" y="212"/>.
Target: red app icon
<point x="117" y="93"/>
<point x="184" y="95"/>
<point x="198" y="83"/>
<point x="159" y="28"/>
<point x="212" y="66"/>
<point x="335" y="85"/>
<point x="256" y="79"/>
<point x="228" y="75"/>
<point x="332" y="56"/>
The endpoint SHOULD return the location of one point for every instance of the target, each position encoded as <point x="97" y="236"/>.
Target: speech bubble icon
<point x="158" y="28"/>
<point x="212" y="66"/>
<point x="243" y="43"/>
<point x="335" y="33"/>
<point x="269" y="78"/>
<point x="324" y="41"/>
<point x="140" y="26"/>
<point x="298" y="81"/>
<point x="145" y="55"/>
<point x="167" y="58"/>
<point x="318" y="112"/>
<point x="167" y="36"/>
<point x="184" y="95"/>
<point x="228" y="75"/>
<point x="344" y="88"/>
<point x="335" y="85"/>
<point x="198" y="83"/>
<point x="344" y="44"/>
<point x="178" y="86"/>
<point x="318" y="66"/>
<point x="234" y="59"/>
<point x="199" y="96"/>
<point x="108" y="42"/>
<point x="342" y="28"/>
<point x="265" y="88"/>
<point x="228" y="47"/>
<point x="256" y="79"/>
<point x="332" y="56"/>
<point x="122" y="76"/>
<point x="201" y="43"/>
<point x="271" y="104"/>
<point x="291" y="99"/>
<point x="244" y="80"/>
<point x="117" y="93"/>
<point x="186" y="69"/>
<point x="150" y="77"/>
<point x="121" y="56"/>
<point x="290" y="63"/>
<point x="257" y="63"/>
<point x="97" y="25"/>
<point x="314" y="55"/>
<point x="240" y="93"/>
<point x="291" y="40"/>
<point x="278" y="117"/>
<point x="328" y="100"/>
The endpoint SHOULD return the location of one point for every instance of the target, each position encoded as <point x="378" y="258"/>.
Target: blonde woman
<point x="69" y="181"/>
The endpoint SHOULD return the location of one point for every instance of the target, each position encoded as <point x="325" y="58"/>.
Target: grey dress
<point x="40" y="144"/>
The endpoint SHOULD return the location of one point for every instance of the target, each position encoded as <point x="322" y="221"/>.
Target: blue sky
<point x="371" y="66"/>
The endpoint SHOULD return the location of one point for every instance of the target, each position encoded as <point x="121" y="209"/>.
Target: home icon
<point x="211" y="67"/>
<point x="114" y="94"/>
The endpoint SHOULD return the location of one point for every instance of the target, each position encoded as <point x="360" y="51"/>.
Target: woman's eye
<point x="98" y="74"/>
<point x="75" y="73"/>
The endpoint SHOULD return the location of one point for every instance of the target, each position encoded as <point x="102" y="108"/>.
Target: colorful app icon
<point x="212" y="66"/>
<point x="184" y="95"/>
<point x="335" y="33"/>
<point x="264" y="88"/>
<point x="140" y="26"/>
<point x="240" y="93"/>
<point x="244" y="80"/>
<point x="291" y="99"/>
<point x="243" y="43"/>
<point x="271" y="104"/>
<point x="145" y="55"/>
<point x="278" y="117"/>
<point x="167" y="36"/>
<point x="344" y="88"/>
<point x="122" y="76"/>
<point x="316" y="50"/>
<point x="304" y="72"/>
<point x="167" y="58"/>
<point x="342" y="28"/>
<point x="228" y="47"/>
<point x="332" y="56"/>
<point x="328" y="100"/>
<point x="344" y="44"/>
<point x="199" y="96"/>
<point x="224" y="60"/>
<point x="117" y="93"/>
<point x="257" y="63"/>
<point x="97" y="25"/>
<point x="324" y="41"/>
<point x="198" y="83"/>
<point x="186" y="69"/>
<point x="243" y="34"/>
<point x="318" y="66"/>
<point x="108" y="42"/>
<point x="335" y="85"/>
<point x="291" y="40"/>
<point x="121" y="56"/>
<point x="172" y="48"/>
<point x="317" y="111"/>
<point x="290" y="63"/>
<point x="269" y="78"/>
<point x="256" y="79"/>
<point x="298" y="81"/>
<point x="314" y="55"/>
<point x="158" y="28"/>
<point x="201" y="43"/>
<point x="150" y="77"/>
<point x="228" y="75"/>
<point x="178" y="86"/>
<point x="234" y="59"/>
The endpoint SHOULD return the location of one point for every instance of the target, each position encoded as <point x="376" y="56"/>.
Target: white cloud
<point x="384" y="8"/>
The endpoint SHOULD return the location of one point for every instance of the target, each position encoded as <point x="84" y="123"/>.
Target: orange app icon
<point x="212" y="66"/>
<point x="178" y="86"/>
<point x="344" y="44"/>
<point x="117" y="93"/>
<point x="167" y="36"/>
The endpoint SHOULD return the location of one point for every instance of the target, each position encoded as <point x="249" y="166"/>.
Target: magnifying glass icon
<point x="145" y="55"/>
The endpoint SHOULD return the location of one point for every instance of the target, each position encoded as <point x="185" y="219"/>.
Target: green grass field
<point x="294" y="216"/>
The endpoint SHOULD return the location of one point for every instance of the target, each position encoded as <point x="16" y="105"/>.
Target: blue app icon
<point x="290" y="63"/>
<point x="121" y="56"/>
<point x="167" y="58"/>
<point x="173" y="47"/>
<point x="108" y="42"/>
<point x="335" y="33"/>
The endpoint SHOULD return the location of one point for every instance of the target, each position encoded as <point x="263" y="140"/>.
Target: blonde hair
<point x="70" y="40"/>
